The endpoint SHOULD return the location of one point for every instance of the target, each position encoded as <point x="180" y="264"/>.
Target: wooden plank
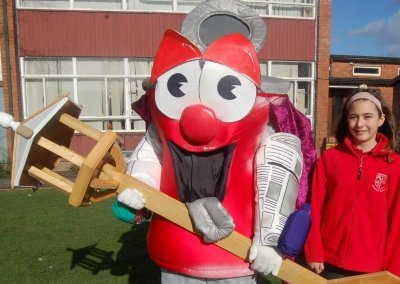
<point x="119" y="159"/>
<point x="295" y="273"/>
<point x="49" y="177"/>
<point x="24" y="131"/>
<point x="383" y="277"/>
<point x="81" y="127"/>
<point x="102" y="195"/>
<point x="61" y="151"/>
<point x="102" y="184"/>
<point x="89" y="167"/>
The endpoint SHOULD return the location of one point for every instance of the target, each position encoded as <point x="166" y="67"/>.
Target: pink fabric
<point x="286" y="118"/>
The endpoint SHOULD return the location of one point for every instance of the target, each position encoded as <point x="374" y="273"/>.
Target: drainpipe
<point x="316" y="85"/>
<point x="10" y="109"/>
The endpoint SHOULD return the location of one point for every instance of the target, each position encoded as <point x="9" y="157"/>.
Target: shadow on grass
<point x="132" y="259"/>
<point x="91" y="258"/>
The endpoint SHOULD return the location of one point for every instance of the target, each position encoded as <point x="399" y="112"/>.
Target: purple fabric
<point x="141" y="108"/>
<point x="286" y="118"/>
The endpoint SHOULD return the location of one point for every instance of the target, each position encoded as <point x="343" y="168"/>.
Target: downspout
<point x="10" y="109"/>
<point x="317" y="10"/>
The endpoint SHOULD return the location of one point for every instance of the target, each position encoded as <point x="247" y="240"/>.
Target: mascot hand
<point x="265" y="259"/>
<point x="210" y="219"/>
<point x="132" y="198"/>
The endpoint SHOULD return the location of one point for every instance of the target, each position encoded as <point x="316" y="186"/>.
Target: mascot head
<point x="204" y="101"/>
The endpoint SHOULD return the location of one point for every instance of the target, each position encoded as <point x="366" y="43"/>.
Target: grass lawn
<point x="45" y="240"/>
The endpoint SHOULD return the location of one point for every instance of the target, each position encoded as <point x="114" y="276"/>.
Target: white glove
<point x="265" y="259"/>
<point x="132" y="197"/>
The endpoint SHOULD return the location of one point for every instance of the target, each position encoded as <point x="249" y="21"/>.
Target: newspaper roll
<point x="278" y="167"/>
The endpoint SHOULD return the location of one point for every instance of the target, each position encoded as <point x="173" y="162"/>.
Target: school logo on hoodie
<point x="380" y="182"/>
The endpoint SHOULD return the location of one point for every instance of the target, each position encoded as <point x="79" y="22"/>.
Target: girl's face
<point x="363" y="120"/>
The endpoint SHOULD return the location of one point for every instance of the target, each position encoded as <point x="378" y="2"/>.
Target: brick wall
<point x="10" y="63"/>
<point x="396" y="105"/>
<point x="343" y="69"/>
<point x="322" y="88"/>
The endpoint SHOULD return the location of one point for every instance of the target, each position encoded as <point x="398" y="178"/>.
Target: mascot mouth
<point x="200" y="175"/>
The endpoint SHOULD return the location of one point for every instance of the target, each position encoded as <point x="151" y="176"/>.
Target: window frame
<point x="364" y="66"/>
<point x="295" y="81"/>
<point x="130" y="117"/>
<point x="175" y="7"/>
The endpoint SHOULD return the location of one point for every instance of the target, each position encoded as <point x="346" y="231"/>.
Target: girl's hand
<point x="317" y="266"/>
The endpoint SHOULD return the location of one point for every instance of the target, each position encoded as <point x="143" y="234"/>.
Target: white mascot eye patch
<point x="230" y="94"/>
<point x="178" y="88"/>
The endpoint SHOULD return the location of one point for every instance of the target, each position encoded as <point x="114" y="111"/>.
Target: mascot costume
<point x="222" y="139"/>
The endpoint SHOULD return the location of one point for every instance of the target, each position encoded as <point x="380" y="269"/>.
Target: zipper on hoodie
<point x="359" y="175"/>
<point x="360" y="165"/>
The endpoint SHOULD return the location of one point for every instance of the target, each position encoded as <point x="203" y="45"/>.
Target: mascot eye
<point x="228" y="93"/>
<point x="175" y="83"/>
<point x="226" y="85"/>
<point x="178" y="88"/>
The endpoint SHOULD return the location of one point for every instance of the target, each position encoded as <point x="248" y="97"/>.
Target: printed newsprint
<point x="279" y="164"/>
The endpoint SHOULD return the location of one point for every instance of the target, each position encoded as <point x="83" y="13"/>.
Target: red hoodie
<point x="392" y="249"/>
<point x="351" y="207"/>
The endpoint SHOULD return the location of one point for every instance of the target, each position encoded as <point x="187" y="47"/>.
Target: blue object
<point x="295" y="232"/>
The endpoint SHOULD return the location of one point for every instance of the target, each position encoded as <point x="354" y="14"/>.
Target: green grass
<point x="45" y="240"/>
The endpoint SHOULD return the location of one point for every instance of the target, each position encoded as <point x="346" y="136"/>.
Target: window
<point x="270" y="8"/>
<point x="137" y="5"/>
<point x="44" y="83"/>
<point x="101" y="5"/>
<point x="364" y="70"/>
<point x="301" y="78"/>
<point x="105" y="88"/>
<point x="44" y="4"/>
<point x="283" y="8"/>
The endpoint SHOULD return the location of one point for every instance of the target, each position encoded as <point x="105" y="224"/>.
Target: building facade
<point x="395" y="83"/>
<point x="99" y="52"/>
<point x="348" y="72"/>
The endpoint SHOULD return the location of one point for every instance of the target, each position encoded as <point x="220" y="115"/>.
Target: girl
<point x="353" y="195"/>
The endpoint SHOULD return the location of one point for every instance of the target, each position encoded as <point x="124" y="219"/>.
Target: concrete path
<point x="5" y="184"/>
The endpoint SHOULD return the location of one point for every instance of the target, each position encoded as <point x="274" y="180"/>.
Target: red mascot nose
<point x="198" y="124"/>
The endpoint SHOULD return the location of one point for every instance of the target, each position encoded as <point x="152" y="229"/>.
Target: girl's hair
<point x="387" y="128"/>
